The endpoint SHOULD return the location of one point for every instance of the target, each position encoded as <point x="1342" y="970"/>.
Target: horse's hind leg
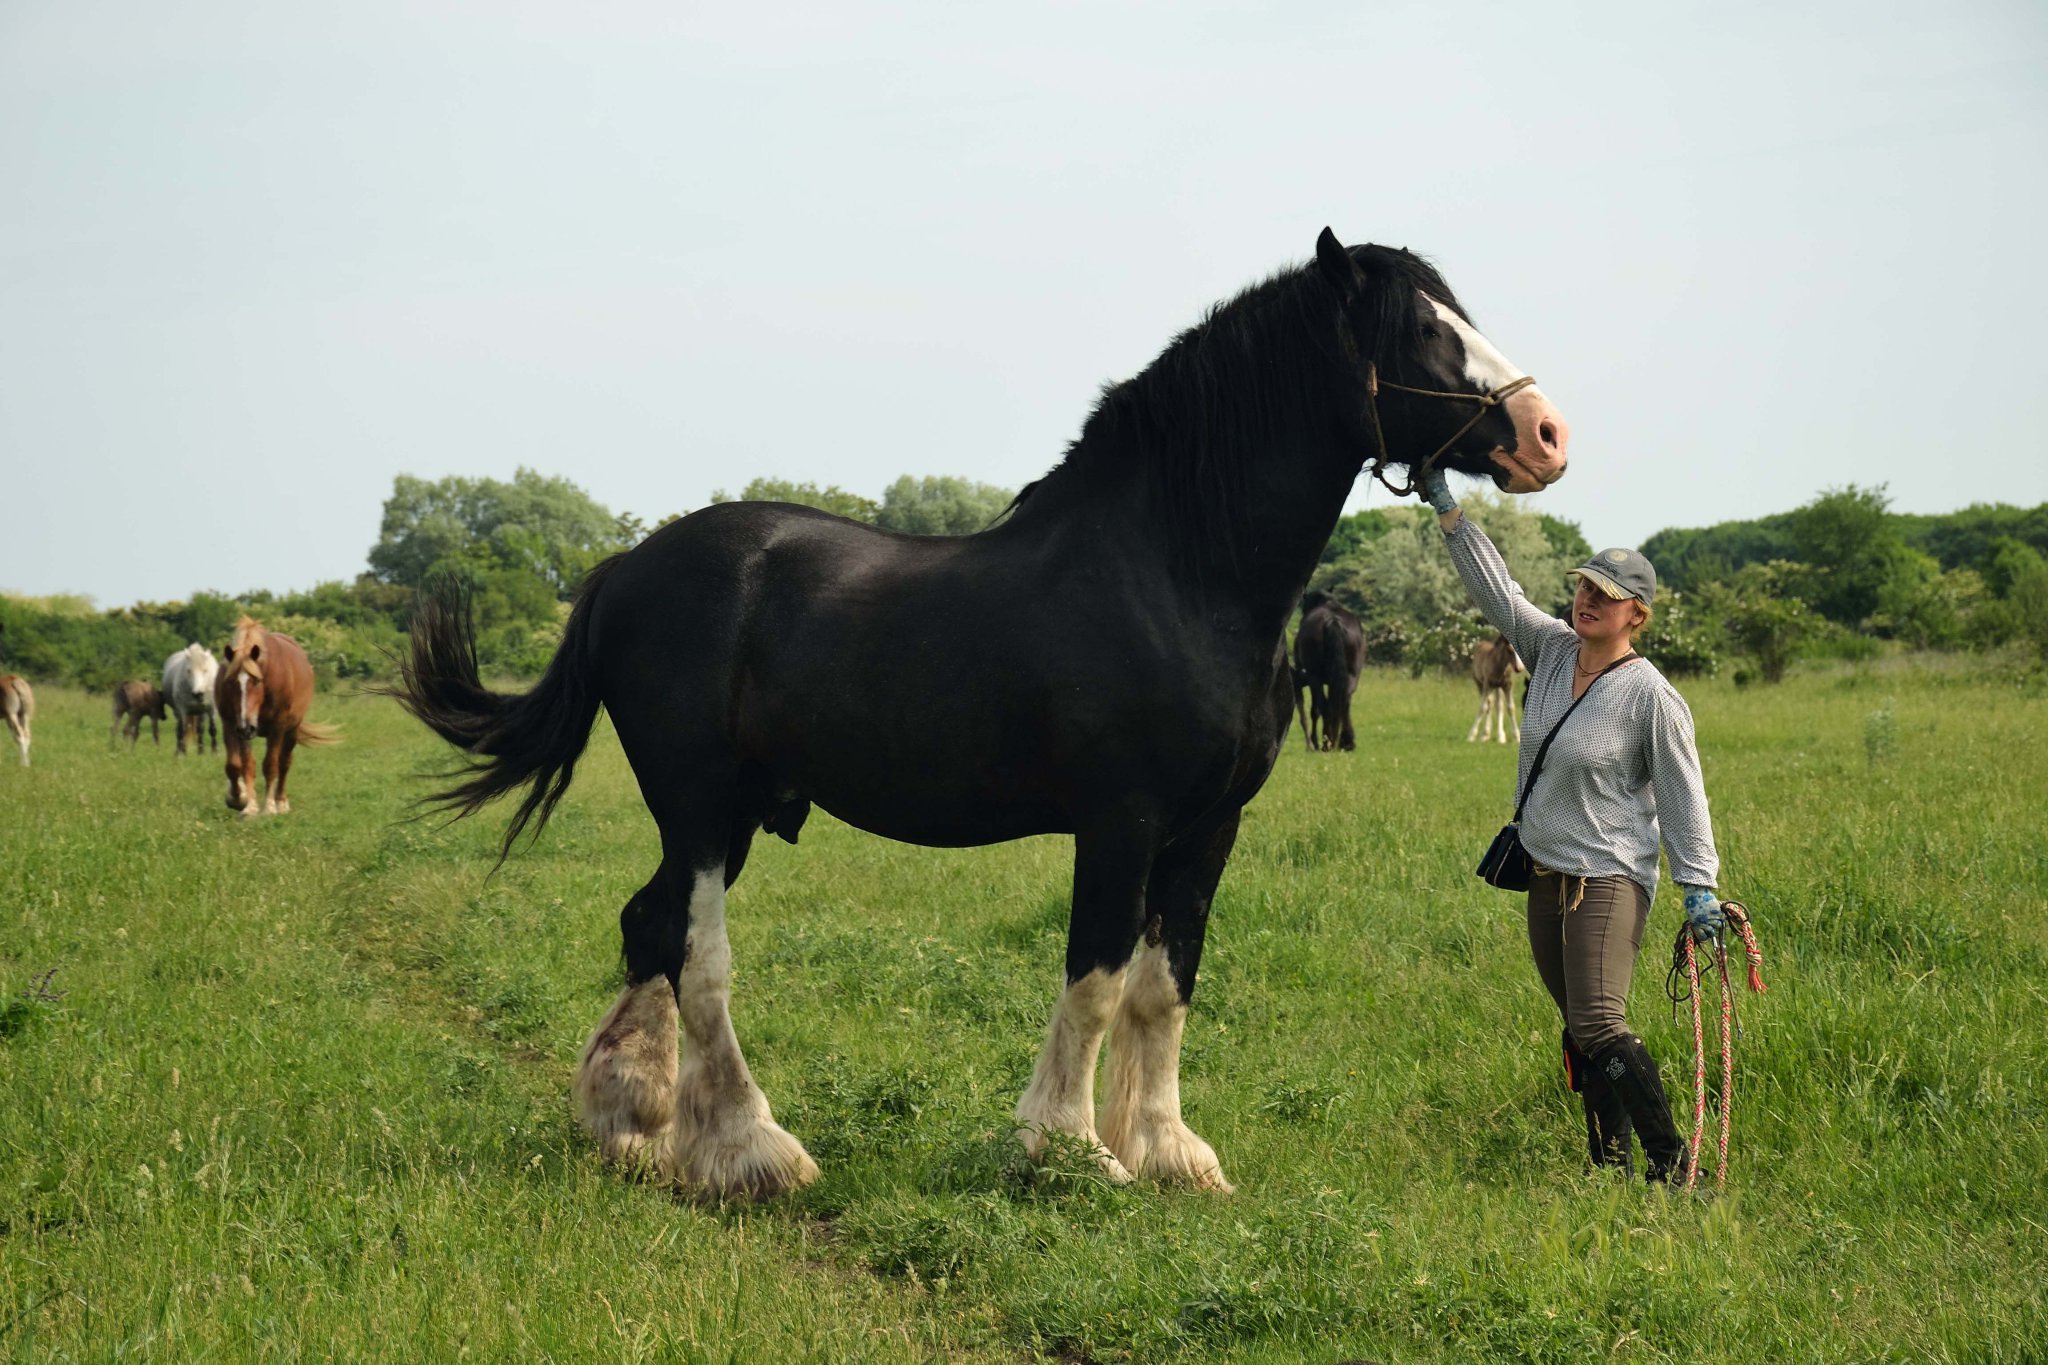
<point x="695" y="1114"/>
<point x="626" y="1082"/>
<point x="1109" y="893"/>
<point x="1141" y="1119"/>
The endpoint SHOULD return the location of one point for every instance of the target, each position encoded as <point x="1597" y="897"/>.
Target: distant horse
<point x="264" y="690"/>
<point x="136" y="701"/>
<point x="18" y="707"/>
<point x="189" y="677"/>
<point x="1494" y="665"/>
<point x="1329" y="654"/>
<point x="1107" y="661"/>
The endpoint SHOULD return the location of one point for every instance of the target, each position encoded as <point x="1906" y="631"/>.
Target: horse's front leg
<point x="1141" y="1120"/>
<point x="1109" y="897"/>
<point x="287" y="744"/>
<point x="241" y="768"/>
<point x="273" y="763"/>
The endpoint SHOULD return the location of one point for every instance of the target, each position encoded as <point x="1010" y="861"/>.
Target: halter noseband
<point x="1373" y="385"/>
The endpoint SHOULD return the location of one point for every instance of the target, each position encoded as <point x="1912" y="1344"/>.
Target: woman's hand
<point x="1436" y="491"/>
<point x="1703" y="915"/>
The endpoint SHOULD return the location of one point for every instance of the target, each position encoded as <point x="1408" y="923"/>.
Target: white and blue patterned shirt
<point x="1625" y="760"/>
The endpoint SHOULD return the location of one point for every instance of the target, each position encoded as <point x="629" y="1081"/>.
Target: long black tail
<point x="514" y="740"/>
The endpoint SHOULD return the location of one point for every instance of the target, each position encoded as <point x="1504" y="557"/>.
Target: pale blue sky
<point x="257" y="257"/>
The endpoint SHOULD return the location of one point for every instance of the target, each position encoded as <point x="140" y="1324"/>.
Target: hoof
<point x="1037" y="1140"/>
<point x="746" y="1157"/>
<point x="1169" y="1152"/>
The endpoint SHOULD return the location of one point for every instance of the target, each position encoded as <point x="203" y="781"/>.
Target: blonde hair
<point x="1639" y="627"/>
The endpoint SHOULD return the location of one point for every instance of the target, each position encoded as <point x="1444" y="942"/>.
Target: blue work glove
<point x="1435" y="490"/>
<point x="1703" y="914"/>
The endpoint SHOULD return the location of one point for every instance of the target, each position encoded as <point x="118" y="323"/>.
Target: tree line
<point x="518" y="548"/>
<point x="1837" y="577"/>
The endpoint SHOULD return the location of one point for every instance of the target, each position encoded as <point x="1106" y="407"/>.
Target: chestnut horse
<point x="18" y="706"/>
<point x="136" y="701"/>
<point x="264" y="689"/>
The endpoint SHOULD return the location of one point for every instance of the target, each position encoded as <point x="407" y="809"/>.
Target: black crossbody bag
<point x="1507" y="864"/>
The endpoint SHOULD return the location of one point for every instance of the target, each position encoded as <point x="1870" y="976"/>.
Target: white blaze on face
<point x="1485" y="368"/>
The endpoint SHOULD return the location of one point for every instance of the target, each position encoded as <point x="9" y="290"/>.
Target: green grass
<point x="305" y="1091"/>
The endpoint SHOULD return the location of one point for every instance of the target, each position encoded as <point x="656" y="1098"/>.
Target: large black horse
<point x="1106" y="661"/>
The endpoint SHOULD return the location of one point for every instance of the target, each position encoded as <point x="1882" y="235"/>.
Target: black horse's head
<point x="1431" y="389"/>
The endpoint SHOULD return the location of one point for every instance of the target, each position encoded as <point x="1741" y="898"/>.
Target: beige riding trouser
<point x="1584" y="933"/>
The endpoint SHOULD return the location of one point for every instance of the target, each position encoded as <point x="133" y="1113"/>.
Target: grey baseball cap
<point x="1621" y="574"/>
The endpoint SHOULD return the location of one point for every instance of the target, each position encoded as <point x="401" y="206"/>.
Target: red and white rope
<point x="1738" y="918"/>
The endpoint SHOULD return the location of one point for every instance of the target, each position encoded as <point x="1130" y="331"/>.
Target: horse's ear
<point x="1337" y="266"/>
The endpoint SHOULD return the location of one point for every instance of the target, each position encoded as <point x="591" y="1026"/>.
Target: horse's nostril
<point x="1547" y="433"/>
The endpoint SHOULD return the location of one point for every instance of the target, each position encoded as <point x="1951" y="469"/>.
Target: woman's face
<point x="1600" y="619"/>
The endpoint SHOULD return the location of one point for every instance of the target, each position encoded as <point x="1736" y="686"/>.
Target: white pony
<point x="188" y="687"/>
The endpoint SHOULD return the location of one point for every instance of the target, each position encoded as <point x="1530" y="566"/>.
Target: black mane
<point x="1217" y="394"/>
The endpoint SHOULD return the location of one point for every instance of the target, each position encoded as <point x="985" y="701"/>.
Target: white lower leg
<point x="1478" y="721"/>
<point x="1141" y="1119"/>
<point x="626" y="1083"/>
<point x="1061" y="1096"/>
<point x="724" y="1141"/>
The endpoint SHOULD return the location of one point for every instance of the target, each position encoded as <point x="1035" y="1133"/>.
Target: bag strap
<point x="1537" y="767"/>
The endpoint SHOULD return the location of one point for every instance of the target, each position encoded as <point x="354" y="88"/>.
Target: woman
<point x="1620" y="772"/>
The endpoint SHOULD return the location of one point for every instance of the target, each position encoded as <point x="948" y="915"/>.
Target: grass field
<point x="299" y="1087"/>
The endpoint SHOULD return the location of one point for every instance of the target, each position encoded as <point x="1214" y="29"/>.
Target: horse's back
<point x="932" y="688"/>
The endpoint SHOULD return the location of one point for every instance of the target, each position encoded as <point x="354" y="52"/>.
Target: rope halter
<point x="1486" y="403"/>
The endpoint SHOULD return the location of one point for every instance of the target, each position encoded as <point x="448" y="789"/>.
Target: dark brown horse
<point x="1108" y="661"/>
<point x="1329" y="655"/>
<point x="264" y="688"/>
<point x="134" y="702"/>
<point x="17" y="708"/>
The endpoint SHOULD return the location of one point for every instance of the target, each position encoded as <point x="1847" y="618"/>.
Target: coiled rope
<point x="1686" y="968"/>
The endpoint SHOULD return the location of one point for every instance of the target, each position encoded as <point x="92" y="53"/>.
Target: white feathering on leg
<point x="1141" y="1120"/>
<point x="724" y="1142"/>
<point x="1061" y="1096"/>
<point x="626" y="1082"/>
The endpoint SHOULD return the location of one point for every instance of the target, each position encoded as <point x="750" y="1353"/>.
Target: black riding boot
<point x="1608" y="1133"/>
<point x="1631" y="1074"/>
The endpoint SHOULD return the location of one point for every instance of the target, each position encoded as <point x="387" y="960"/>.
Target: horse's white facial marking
<point x="1061" y="1096"/>
<point x="1485" y="367"/>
